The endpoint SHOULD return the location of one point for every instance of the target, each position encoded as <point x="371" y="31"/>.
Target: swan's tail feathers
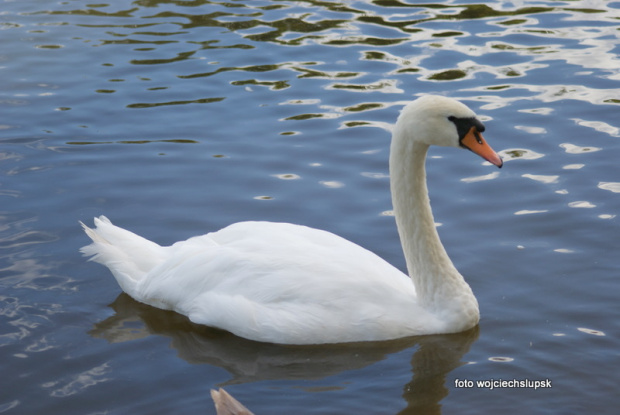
<point x="126" y="254"/>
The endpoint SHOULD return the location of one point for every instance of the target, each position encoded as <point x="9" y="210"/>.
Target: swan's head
<point x="442" y="121"/>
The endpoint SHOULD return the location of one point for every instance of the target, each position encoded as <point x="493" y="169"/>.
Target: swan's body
<point x="284" y="283"/>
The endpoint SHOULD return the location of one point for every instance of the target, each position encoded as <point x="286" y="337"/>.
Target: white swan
<point x="284" y="283"/>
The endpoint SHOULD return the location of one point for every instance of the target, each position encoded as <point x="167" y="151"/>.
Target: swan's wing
<point x="262" y="280"/>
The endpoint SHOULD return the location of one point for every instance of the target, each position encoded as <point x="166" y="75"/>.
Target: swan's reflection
<point x="437" y="356"/>
<point x="249" y="361"/>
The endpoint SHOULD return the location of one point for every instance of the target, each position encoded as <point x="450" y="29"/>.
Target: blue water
<point x="176" y="118"/>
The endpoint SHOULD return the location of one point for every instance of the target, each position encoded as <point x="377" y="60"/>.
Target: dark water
<point x="175" y="118"/>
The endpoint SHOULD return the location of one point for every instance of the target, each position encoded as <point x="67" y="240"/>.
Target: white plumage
<point x="285" y="283"/>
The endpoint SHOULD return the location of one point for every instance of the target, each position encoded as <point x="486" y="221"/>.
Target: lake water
<point x="176" y="118"/>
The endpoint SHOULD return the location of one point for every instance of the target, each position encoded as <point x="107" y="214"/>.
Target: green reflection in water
<point x="448" y="75"/>
<point x="159" y="104"/>
<point x="176" y="141"/>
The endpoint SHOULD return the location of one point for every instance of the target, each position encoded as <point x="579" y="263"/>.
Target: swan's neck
<point x="439" y="285"/>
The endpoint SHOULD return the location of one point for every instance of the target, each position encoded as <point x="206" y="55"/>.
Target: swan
<point x="291" y="284"/>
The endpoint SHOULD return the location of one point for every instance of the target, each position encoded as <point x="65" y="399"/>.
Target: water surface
<point x="175" y="118"/>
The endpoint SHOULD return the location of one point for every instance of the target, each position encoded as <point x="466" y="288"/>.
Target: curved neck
<point x="429" y="266"/>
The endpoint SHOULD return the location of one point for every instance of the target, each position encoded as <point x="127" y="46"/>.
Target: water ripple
<point x="79" y="382"/>
<point x="611" y="186"/>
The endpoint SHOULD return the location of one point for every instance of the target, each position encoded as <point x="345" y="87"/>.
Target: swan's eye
<point x="464" y="125"/>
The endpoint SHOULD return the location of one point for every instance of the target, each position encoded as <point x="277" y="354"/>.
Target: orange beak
<point x="474" y="141"/>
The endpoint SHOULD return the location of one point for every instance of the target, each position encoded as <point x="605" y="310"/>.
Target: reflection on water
<point x="203" y="36"/>
<point x="281" y="110"/>
<point x="248" y="361"/>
